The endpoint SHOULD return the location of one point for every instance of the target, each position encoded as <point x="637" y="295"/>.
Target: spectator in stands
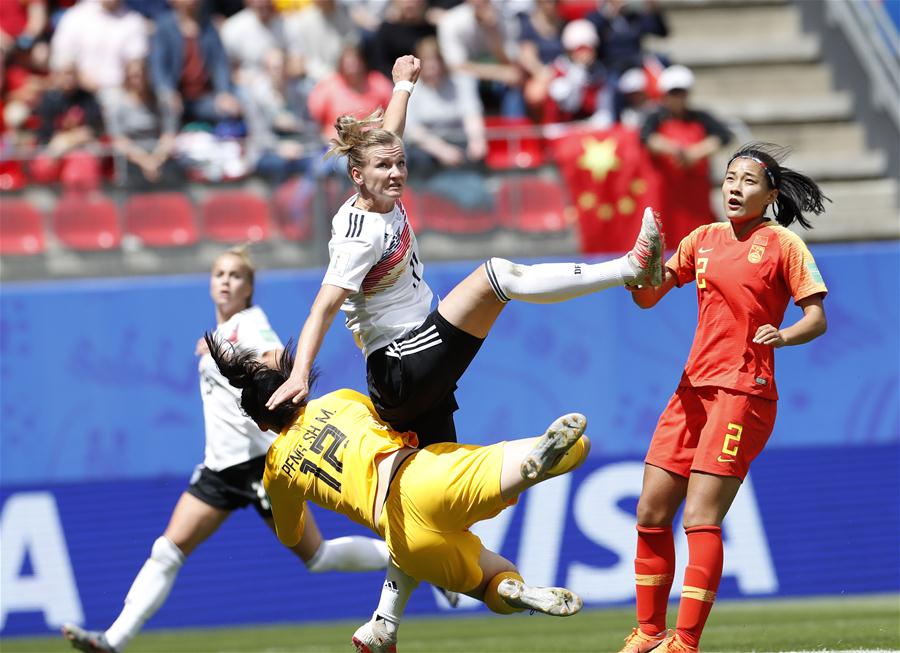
<point x="22" y="23"/>
<point x="635" y="104"/>
<point x="445" y="131"/>
<point x="445" y="116"/>
<point x="319" y="33"/>
<point x="71" y="122"/>
<point x="249" y="35"/>
<point x="222" y="9"/>
<point x="230" y="477"/>
<point x="681" y="140"/>
<point x="149" y="9"/>
<point x="367" y="15"/>
<point x="404" y="26"/>
<point x="188" y="66"/>
<point x="352" y="90"/>
<point x="574" y="90"/>
<point x="99" y="37"/>
<point x="142" y="133"/>
<point x="622" y="29"/>
<point x="473" y="41"/>
<point x="24" y="57"/>
<point x="540" y="36"/>
<point x="275" y="129"/>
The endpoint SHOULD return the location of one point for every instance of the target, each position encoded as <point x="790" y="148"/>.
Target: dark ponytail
<point x="257" y="381"/>
<point x="797" y="193"/>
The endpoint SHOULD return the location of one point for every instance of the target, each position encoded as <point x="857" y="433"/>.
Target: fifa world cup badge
<point x="756" y="253"/>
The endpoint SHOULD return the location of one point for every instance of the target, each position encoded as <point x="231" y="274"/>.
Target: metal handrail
<point x="875" y="42"/>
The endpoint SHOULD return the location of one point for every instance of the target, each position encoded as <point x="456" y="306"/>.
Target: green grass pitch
<point x="834" y="624"/>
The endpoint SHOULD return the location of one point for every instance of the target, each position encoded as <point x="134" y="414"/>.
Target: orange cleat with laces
<point x="640" y="642"/>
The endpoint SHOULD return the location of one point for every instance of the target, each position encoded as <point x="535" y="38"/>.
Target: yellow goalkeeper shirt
<point x="329" y="456"/>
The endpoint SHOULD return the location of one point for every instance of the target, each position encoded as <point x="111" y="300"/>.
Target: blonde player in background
<point x="336" y="452"/>
<point x="230" y="476"/>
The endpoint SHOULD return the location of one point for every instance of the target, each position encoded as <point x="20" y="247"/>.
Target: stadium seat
<point x="513" y="143"/>
<point x="294" y="208"/>
<point x="533" y="203"/>
<point x="161" y="219"/>
<point x="441" y="214"/>
<point x="235" y="216"/>
<point x="411" y="205"/>
<point x="87" y="221"/>
<point x="21" y="228"/>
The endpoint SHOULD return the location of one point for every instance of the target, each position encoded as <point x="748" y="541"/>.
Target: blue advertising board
<point x="808" y="521"/>
<point x="101" y="425"/>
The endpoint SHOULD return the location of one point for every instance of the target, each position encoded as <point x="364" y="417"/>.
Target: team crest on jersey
<point x="756" y="253"/>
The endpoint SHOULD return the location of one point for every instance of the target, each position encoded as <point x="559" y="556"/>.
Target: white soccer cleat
<point x="91" y="641"/>
<point x="557" y="440"/>
<point x="373" y="637"/>
<point x="646" y="257"/>
<point x="555" y="601"/>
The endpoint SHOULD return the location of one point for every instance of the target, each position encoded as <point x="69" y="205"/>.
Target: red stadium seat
<point x="235" y="216"/>
<point x="161" y="219"/>
<point x="412" y="206"/>
<point x="513" y="143"/>
<point x="440" y="214"/>
<point x="532" y="203"/>
<point x="87" y="221"/>
<point x="294" y="208"/>
<point x="21" y="228"/>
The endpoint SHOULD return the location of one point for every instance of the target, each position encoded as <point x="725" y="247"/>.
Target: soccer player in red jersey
<point x="723" y="411"/>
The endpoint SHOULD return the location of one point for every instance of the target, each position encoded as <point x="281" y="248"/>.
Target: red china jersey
<point x="741" y="285"/>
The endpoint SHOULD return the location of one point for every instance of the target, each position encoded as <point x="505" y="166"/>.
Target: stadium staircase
<point x="783" y="71"/>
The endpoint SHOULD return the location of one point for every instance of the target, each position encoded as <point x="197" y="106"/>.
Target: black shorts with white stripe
<point x="412" y="380"/>
<point x="234" y="487"/>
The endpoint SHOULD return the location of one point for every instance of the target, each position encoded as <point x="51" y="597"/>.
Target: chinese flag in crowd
<point x="610" y="179"/>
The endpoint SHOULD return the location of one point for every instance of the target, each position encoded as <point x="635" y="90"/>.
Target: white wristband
<point x="403" y="85"/>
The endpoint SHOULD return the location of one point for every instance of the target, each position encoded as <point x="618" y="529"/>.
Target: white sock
<point x="148" y="592"/>
<point x="395" y="593"/>
<point x="548" y="283"/>
<point x="350" y="554"/>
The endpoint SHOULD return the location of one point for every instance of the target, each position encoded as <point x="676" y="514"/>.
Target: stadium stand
<point x="786" y="91"/>
<point x="87" y="222"/>
<point x="816" y="83"/>
<point x="21" y="229"/>
<point x="235" y="216"/>
<point x="532" y="204"/>
<point x="161" y="219"/>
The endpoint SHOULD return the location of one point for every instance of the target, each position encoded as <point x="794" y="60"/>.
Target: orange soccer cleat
<point x="674" y="644"/>
<point x="640" y="642"/>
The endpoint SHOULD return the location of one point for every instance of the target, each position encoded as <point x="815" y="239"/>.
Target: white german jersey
<point x="231" y="436"/>
<point x="375" y="256"/>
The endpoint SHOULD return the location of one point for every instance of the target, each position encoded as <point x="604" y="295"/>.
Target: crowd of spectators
<point x="215" y="89"/>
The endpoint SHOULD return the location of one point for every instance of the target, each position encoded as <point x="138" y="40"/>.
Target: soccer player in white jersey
<point x="416" y="355"/>
<point x="231" y="474"/>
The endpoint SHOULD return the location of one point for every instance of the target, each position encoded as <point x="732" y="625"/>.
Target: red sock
<point x="701" y="581"/>
<point x="654" y="568"/>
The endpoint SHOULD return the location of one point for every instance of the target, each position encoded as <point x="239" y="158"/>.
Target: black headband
<point x="762" y="163"/>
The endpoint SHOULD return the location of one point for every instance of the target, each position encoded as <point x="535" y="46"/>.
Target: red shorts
<point x="712" y="430"/>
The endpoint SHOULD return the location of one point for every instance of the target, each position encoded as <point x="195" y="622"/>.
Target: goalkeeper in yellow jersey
<point x="336" y="452"/>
